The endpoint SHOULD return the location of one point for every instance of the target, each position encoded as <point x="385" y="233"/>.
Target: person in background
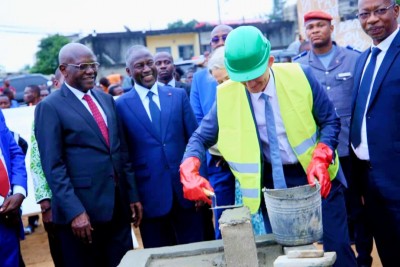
<point x="334" y="67"/>
<point x="115" y="90"/>
<point x="32" y="95"/>
<point x="178" y="73"/>
<point x="374" y="132"/>
<point x="4" y="101"/>
<point x="7" y="85"/>
<point x="165" y="72"/>
<point x="13" y="190"/>
<point x="202" y="97"/>
<point x="276" y="128"/>
<point x="42" y="190"/>
<point x="57" y="80"/>
<point x="104" y="83"/>
<point x="189" y="76"/>
<point x="43" y="93"/>
<point x="158" y="122"/>
<point x="11" y="96"/>
<point x="84" y="159"/>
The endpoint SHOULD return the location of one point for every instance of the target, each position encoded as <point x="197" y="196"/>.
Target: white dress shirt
<point x="286" y="151"/>
<point x="362" y="151"/>
<point x="142" y="92"/>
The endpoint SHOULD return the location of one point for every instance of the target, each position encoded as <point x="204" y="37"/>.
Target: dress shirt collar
<point x="172" y="83"/>
<point x="142" y="91"/>
<point x="269" y="90"/>
<point x="385" y="44"/>
<point x="79" y="94"/>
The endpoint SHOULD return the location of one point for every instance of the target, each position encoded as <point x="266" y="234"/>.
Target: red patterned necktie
<point x="4" y="181"/>
<point x="98" y="118"/>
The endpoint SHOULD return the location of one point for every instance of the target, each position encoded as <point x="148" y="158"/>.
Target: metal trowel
<point x="215" y="206"/>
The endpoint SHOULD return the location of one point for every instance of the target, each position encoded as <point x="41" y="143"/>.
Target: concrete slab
<point x="327" y="260"/>
<point x="202" y="254"/>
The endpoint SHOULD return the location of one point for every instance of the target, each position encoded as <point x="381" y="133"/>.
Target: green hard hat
<point x="246" y="53"/>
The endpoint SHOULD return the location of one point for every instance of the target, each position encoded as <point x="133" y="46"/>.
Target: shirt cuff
<point x="17" y="189"/>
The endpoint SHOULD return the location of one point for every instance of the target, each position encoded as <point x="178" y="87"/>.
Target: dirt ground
<point x="35" y="249"/>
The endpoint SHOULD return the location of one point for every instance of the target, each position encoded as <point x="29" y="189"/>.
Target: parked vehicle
<point x="24" y="80"/>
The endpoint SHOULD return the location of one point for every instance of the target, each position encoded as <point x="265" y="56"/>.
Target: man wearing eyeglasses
<point x="374" y="130"/>
<point x="202" y="97"/>
<point x="334" y="66"/>
<point x="83" y="155"/>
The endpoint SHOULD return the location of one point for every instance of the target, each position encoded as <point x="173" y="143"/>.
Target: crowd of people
<point x="162" y="152"/>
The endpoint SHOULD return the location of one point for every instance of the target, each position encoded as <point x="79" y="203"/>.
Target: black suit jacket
<point x="79" y="166"/>
<point x="183" y="86"/>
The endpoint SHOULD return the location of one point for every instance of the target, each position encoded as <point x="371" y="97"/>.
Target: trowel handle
<point x="208" y="193"/>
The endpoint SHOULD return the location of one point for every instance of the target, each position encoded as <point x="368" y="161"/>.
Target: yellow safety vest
<point x="238" y="140"/>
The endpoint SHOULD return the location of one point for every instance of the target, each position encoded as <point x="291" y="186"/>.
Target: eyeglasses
<point x="85" y="66"/>
<point x="377" y="12"/>
<point x="216" y="39"/>
<point x="140" y="66"/>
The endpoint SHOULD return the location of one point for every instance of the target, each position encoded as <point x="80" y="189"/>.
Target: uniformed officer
<point x="334" y="66"/>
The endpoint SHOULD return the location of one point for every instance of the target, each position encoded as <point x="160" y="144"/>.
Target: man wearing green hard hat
<point x="276" y="128"/>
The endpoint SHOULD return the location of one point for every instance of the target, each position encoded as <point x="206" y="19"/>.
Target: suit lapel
<point x="135" y="104"/>
<point x="80" y="109"/>
<point x="385" y="66"/>
<point x="165" y="96"/>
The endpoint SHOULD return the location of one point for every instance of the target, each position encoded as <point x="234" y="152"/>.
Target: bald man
<point x="83" y="159"/>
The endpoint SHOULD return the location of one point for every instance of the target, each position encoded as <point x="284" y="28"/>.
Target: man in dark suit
<point x="375" y="135"/>
<point x="83" y="159"/>
<point x="165" y="69"/>
<point x="13" y="189"/>
<point x="158" y="122"/>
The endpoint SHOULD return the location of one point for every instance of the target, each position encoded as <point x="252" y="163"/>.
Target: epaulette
<point x="302" y="54"/>
<point x="353" y="49"/>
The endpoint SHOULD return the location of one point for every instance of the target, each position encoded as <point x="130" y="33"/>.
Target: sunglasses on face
<point x="216" y="39"/>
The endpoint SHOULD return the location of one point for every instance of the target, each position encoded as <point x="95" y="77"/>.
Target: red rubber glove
<point x="193" y="183"/>
<point x="318" y="168"/>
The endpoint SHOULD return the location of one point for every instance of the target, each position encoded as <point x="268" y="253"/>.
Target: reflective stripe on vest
<point x="237" y="137"/>
<point x="295" y="104"/>
<point x="238" y="141"/>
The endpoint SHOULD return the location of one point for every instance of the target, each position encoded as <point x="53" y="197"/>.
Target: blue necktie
<point x="155" y="113"/>
<point x="361" y="101"/>
<point x="276" y="161"/>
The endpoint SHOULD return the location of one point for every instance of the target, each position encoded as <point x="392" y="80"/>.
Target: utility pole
<point x="219" y="13"/>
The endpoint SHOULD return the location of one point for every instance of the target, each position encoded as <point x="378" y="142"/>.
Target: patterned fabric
<point x="42" y="189"/>
<point x="98" y="118"/>
<point x="257" y="219"/>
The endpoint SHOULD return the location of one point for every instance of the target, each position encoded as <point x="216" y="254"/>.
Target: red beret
<point x="317" y="14"/>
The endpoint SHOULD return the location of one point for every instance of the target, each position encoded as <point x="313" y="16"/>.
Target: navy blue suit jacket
<point x="156" y="160"/>
<point x="383" y="119"/>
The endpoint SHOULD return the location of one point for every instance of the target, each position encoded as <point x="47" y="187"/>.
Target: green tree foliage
<point x="180" y="24"/>
<point x="277" y="12"/>
<point x="47" y="56"/>
<point x="398" y="2"/>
